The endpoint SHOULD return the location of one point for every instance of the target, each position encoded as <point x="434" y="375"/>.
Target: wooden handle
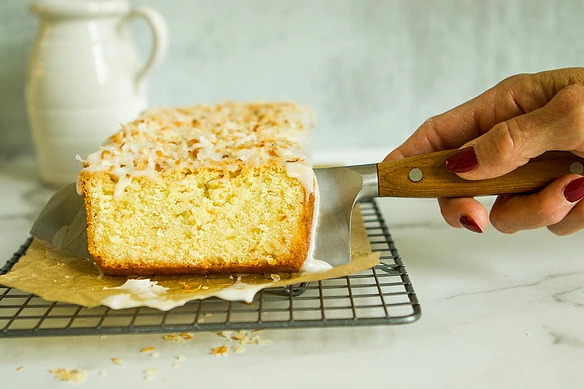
<point x="398" y="178"/>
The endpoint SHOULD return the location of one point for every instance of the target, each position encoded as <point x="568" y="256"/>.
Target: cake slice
<point x="204" y="189"/>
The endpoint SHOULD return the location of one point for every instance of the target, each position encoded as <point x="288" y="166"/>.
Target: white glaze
<point x="123" y="301"/>
<point x="147" y="293"/>
<point x="311" y="264"/>
<point x="143" y="288"/>
<point x="303" y="173"/>
<point x="240" y="291"/>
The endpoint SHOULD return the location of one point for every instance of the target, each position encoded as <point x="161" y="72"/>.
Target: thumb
<point x="557" y="126"/>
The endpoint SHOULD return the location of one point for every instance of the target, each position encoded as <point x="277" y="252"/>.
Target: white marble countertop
<point x="498" y="312"/>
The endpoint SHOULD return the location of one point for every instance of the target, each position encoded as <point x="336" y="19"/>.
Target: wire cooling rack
<point x="379" y="296"/>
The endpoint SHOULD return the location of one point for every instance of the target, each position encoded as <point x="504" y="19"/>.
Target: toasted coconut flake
<point x="220" y="351"/>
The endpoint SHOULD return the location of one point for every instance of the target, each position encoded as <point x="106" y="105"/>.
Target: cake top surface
<point x="224" y="136"/>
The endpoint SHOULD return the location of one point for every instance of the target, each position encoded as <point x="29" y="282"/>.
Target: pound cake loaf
<point x="223" y="188"/>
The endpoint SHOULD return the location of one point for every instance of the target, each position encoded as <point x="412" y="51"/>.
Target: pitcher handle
<point x="159" y="39"/>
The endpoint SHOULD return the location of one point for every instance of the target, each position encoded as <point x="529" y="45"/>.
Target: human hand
<point x="520" y="118"/>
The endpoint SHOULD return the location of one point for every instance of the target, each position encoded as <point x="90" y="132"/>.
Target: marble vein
<point x="564" y="339"/>
<point x="519" y="286"/>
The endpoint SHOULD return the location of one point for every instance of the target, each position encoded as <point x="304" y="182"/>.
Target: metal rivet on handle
<point x="416" y="175"/>
<point x="576" y="168"/>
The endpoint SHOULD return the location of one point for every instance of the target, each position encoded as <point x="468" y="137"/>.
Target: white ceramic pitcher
<point x="85" y="78"/>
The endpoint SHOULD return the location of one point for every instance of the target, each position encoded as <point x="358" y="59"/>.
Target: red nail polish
<point x="468" y="223"/>
<point x="574" y="191"/>
<point x="462" y="161"/>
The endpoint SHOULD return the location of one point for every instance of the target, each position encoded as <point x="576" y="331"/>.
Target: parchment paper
<point x="56" y="275"/>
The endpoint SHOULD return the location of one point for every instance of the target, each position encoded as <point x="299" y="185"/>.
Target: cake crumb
<point x="208" y="314"/>
<point x="68" y="375"/>
<point x="150" y="374"/>
<point x="147" y="350"/>
<point x="178" y="338"/>
<point x="258" y="340"/>
<point x="240" y="336"/>
<point x="117" y="361"/>
<point x="181" y="358"/>
<point x="225" y="334"/>
<point x="155" y="354"/>
<point x="528" y="334"/>
<point x="221" y="350"/>
<point x="175" y="365"/>
<point x="244" y="337"/>
<point x="19" y="368"/>
<point x="238" y="349"/>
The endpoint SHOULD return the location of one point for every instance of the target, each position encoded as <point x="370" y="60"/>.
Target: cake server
<point x="340" y="188"/>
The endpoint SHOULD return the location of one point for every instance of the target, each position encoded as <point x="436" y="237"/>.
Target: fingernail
<point x="468" y="223"/>
<point x="574" y="191"/>
<point x="462" y="161"/>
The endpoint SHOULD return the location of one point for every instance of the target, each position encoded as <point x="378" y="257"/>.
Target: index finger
<point x="512" y="97"/>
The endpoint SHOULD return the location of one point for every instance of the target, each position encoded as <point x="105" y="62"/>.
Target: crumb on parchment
<point x="19" y="368"/>
<point x="147" y="350"/>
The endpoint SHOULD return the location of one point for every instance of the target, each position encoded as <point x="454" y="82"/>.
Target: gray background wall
<point x="372" y="69"/>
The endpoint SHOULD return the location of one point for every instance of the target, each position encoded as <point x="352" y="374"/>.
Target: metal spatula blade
<point x="339" y="190"/>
